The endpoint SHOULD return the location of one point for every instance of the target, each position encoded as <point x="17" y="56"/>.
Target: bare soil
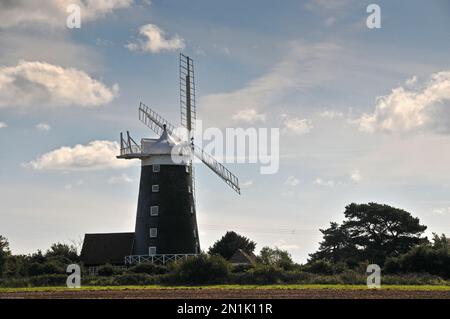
<point x="213" y="293"/>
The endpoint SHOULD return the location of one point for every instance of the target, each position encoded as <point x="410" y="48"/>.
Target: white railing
<point x="156" y="259"/>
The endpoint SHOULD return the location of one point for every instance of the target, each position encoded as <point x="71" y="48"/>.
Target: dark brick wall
<point x="175" y="222"/>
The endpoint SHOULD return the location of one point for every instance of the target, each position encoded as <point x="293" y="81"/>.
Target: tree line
<point x="369" y="234"/>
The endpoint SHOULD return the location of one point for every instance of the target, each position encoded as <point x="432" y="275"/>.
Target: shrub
<point x="265" y="274"/>
<point x="106" y="270"/>
<point x="321" y="267"/>
<point x="148" y="268"/>
<point x="134" y="279"/>
<point x="421" y="259"/>
<point x="202" y="269"/>
<point x="48" y="280"/>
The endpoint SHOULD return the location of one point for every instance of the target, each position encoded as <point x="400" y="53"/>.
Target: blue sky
<point x="363" y="113"/>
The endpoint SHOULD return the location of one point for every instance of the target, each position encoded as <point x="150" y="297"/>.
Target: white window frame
<point x="189" y="189"/>
<point x="155" y="188"/>
<point x="150" y="250"/>
<point x="192" y="209"/>
<point x="156" y="168"/>
<point x="154" y="210"/>
<point x="153" y="232"/>
<point x="187" y="169"/>
<point x="195" y="233"/>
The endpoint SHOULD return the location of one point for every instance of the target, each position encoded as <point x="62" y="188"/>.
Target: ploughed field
<point x="232" y="292"/>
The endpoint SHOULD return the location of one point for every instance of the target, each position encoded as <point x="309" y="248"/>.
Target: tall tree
<point x="229" y="243"/>
<point x="276" y="257"/>
<point x="371" y="232"/>
<point x="4" y="253"/>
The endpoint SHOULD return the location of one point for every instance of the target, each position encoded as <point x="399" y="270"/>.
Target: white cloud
<point x="411" y="81"/>
<point x="33" y="84"/>
<point x="247" y="184"/>
<point x="154" y="40"/>
<point x="331" y="114"/>
<point x="302" y="66"/>
<point x="441" y="211"/>
<point x="54" y="12"/>
<point x="297" y="126"/>
<point x="321" y="182"/>
<point x="284" y="245"/>
<point x="292" y="181"/>
<point x="95" y="155"/>
<point x="355" y="176"/>
<point x="249" y="116"/>
<point x="43" y="127"/>
<point x="405" y="110"/>
<point x="121" y="179"/>
<point x="3" y="125"/>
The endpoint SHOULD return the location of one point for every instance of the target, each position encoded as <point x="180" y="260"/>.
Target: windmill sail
<point x="156" y="123"/>
<point x="187" y="93"/>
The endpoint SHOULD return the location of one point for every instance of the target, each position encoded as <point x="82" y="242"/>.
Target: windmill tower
<point x="166" y="223"/>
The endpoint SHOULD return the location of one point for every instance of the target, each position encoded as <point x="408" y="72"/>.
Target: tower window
<point x="195" y="233"/>
<point x="187" y="168"/>
<point x="156" y="168"/>
<point x="154" y="210"/>
<point x="153" y="232"/>
<point x="155" y="188"/>
<point x="152" y="250"/>
<point x="189" y="189"/>
<point x="192" y="209"/>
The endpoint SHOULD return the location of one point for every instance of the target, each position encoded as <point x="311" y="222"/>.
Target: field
<point x="231" y="292"/>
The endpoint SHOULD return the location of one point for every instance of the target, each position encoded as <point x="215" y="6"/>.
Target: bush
<point x="106" y="270"/>
<point x="320" y="267"/>
<point x="148" y="268"/>
<point x="134" y="279"/>
<point x="48" y="280"/>
<point x="421" y="259"/>
<point x="202" y="269"/>
<point x="265" y="274"/>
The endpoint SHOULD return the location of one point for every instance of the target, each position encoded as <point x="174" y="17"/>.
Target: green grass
<point x="339" y="287"/>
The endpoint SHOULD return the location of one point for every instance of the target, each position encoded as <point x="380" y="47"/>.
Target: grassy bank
<point x="339" y="287"/>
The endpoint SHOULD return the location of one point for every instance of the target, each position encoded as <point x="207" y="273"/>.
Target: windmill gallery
<point x="166" y="223"/>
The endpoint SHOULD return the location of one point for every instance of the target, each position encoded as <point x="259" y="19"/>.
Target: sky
<point x="363" y="114"/>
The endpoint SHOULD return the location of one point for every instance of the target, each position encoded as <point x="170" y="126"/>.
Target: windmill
<point x="166" y="223"/>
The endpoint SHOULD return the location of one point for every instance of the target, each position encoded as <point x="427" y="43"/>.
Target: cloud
<point x="154" y="40"/>
<point x="331" y="114"/>
<point x="247" y="184"/>
<point x="355" y="176"/>
<point x="321" y="182"/>
<point x="43" y="127"/>
<point x="292" y="181"/>
<point x="121" y="179"/>
<point x="297" y="126"/>
<point x="442" y="211"/>
<point x="249" y="116"/>
<point x="96" y="155"/>
<point x="403" y="110"/>
<point x="3" y="125"/>
<point x="33" y="84"/>
<point x="303" y="66"/>
<point x="54" y="12"/>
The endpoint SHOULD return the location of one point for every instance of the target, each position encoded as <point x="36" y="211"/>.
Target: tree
<point x="63" y="250"/>
<point x="5" y="253"/>
<point x="370" y="232"/>
<point x="230" y="243"/>
<point x="202" y="269"/>
<point x="432" y="258"/>
<point x="276" y="257"/>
